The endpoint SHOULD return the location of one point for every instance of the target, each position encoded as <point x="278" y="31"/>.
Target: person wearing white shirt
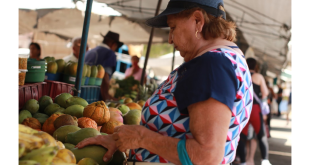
<point x="76" y="44"/>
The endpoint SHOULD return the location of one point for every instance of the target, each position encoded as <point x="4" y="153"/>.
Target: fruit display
<point x="38" y="147"/>
<point x="50" y="130"/>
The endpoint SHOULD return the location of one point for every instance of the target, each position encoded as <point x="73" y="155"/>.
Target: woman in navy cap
<point x="197" y="114"/>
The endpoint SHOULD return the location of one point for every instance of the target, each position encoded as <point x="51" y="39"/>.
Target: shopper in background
<point x="104" y="54"/>
<point x="256" y="119"/>
<point x="135" y="70"/>
<point x="270" y="98"/>
<point x="279" y="98"/>
<point x="35" y="51"/>
<point x="289" y="108"/>
<point x="76" y="45"/>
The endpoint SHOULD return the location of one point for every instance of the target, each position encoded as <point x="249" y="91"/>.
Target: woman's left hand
<point x="128" y="136"/>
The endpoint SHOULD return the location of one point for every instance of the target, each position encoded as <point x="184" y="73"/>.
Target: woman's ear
<point x="199" y="19"/>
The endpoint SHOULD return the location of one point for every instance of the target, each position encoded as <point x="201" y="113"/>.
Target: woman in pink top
<point x="135" y="70"/>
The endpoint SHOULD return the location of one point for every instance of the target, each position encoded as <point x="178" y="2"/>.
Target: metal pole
<point x="173" y="59"/>
<point x="83" y="48"/>
<point x="149" y="45"/>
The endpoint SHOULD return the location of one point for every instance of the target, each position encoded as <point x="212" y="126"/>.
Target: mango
<point x="87" y="161"/>
<point x="52" y="108"/>
<point x="94" y="152"/>
<point x="61" y="99"/>
<point x="32" y="106"/>
<point x="78" y="136"/>
<point x="44" y="101"/>
<point x="61" y="133"/>
<point x="74" y="110"/>
<point x="24" y="114"/>
<point x="76" y="101"/>
<point x="133" y="117"/>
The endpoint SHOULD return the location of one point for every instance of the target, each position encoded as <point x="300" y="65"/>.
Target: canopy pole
<point x="173" y="59"/>
<point x="83" y="48"/>
<point x="149" y="45"/>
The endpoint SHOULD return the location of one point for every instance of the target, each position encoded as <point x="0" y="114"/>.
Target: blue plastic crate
<point x="90" y="93"/>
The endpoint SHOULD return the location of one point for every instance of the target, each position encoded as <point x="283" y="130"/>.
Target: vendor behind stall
<point x="76" y="44"/>
<point x="35" y="51"/>
<point x="104" y="54"/>
<point x="135" y="70"/>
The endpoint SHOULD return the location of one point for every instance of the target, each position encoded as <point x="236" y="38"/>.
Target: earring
<point x="196" y="35"/>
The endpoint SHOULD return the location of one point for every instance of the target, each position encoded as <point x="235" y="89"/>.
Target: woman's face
<point x="182" y="35"/>
<point x="34" y="52"/>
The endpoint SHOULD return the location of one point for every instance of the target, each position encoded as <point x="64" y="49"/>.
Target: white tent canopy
<point x="265" y="24"/>
<point x="69" y="23"/>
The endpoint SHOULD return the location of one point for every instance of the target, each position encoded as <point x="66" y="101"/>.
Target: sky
<point x="97" y="8"/>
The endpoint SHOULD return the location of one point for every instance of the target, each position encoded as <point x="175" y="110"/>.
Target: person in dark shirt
<point x="104" y="54"/>
<point x="279" y="98"/>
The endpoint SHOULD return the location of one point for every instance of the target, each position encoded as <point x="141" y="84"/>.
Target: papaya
<point x="73" y="68"/>
<point x="85" y="70"/>
<point x="61" y="65"/>
<point x="61" y="133"/>
<point x="94" y="152"/>
<point x="69" y="146"/>
<point x="74" y="110"/>
<point x="61" y="99"/>
<point x="52" y="67"/>
<point x="94" y="71"/>
<point x="78" y="136"/>
<point x="118" y="158"/>
<point x="44" y="101"/>
<point x="24" y="114"/>
<point x="76" y="101"/>
<point x="49" y="59"/>
<point x="133" y="117"/>
<point x="50" y="109"/>
<point x="32" y="106"/>
<point x="65" y="120"/>
<point x="101" y="71"/>
<point x="88" y="71"/>
<point x="87" y="161"/>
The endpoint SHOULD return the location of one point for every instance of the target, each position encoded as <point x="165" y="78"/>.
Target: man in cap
<point x="76" y="44"/>
<point x="104" y="54"/>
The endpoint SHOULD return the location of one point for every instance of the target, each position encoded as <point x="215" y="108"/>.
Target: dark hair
<point x="251" y="63"/>
<point x="135" y="57"/>
<point x="37" y="46"/>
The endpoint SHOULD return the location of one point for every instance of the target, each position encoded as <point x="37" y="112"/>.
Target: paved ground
<point x="279" y="143"/>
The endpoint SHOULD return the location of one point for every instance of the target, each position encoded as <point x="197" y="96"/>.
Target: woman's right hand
<point x="103" y="140"/>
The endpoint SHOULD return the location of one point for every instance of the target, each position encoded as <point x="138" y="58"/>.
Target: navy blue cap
<point x="176" y="6"/>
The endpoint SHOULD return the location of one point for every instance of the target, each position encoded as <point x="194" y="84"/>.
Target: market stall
<point x="59" y="108"/>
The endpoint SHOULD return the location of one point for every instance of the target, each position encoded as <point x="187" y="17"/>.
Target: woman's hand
<point x="128" y="137"/>
<point x="103" y="140"/>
